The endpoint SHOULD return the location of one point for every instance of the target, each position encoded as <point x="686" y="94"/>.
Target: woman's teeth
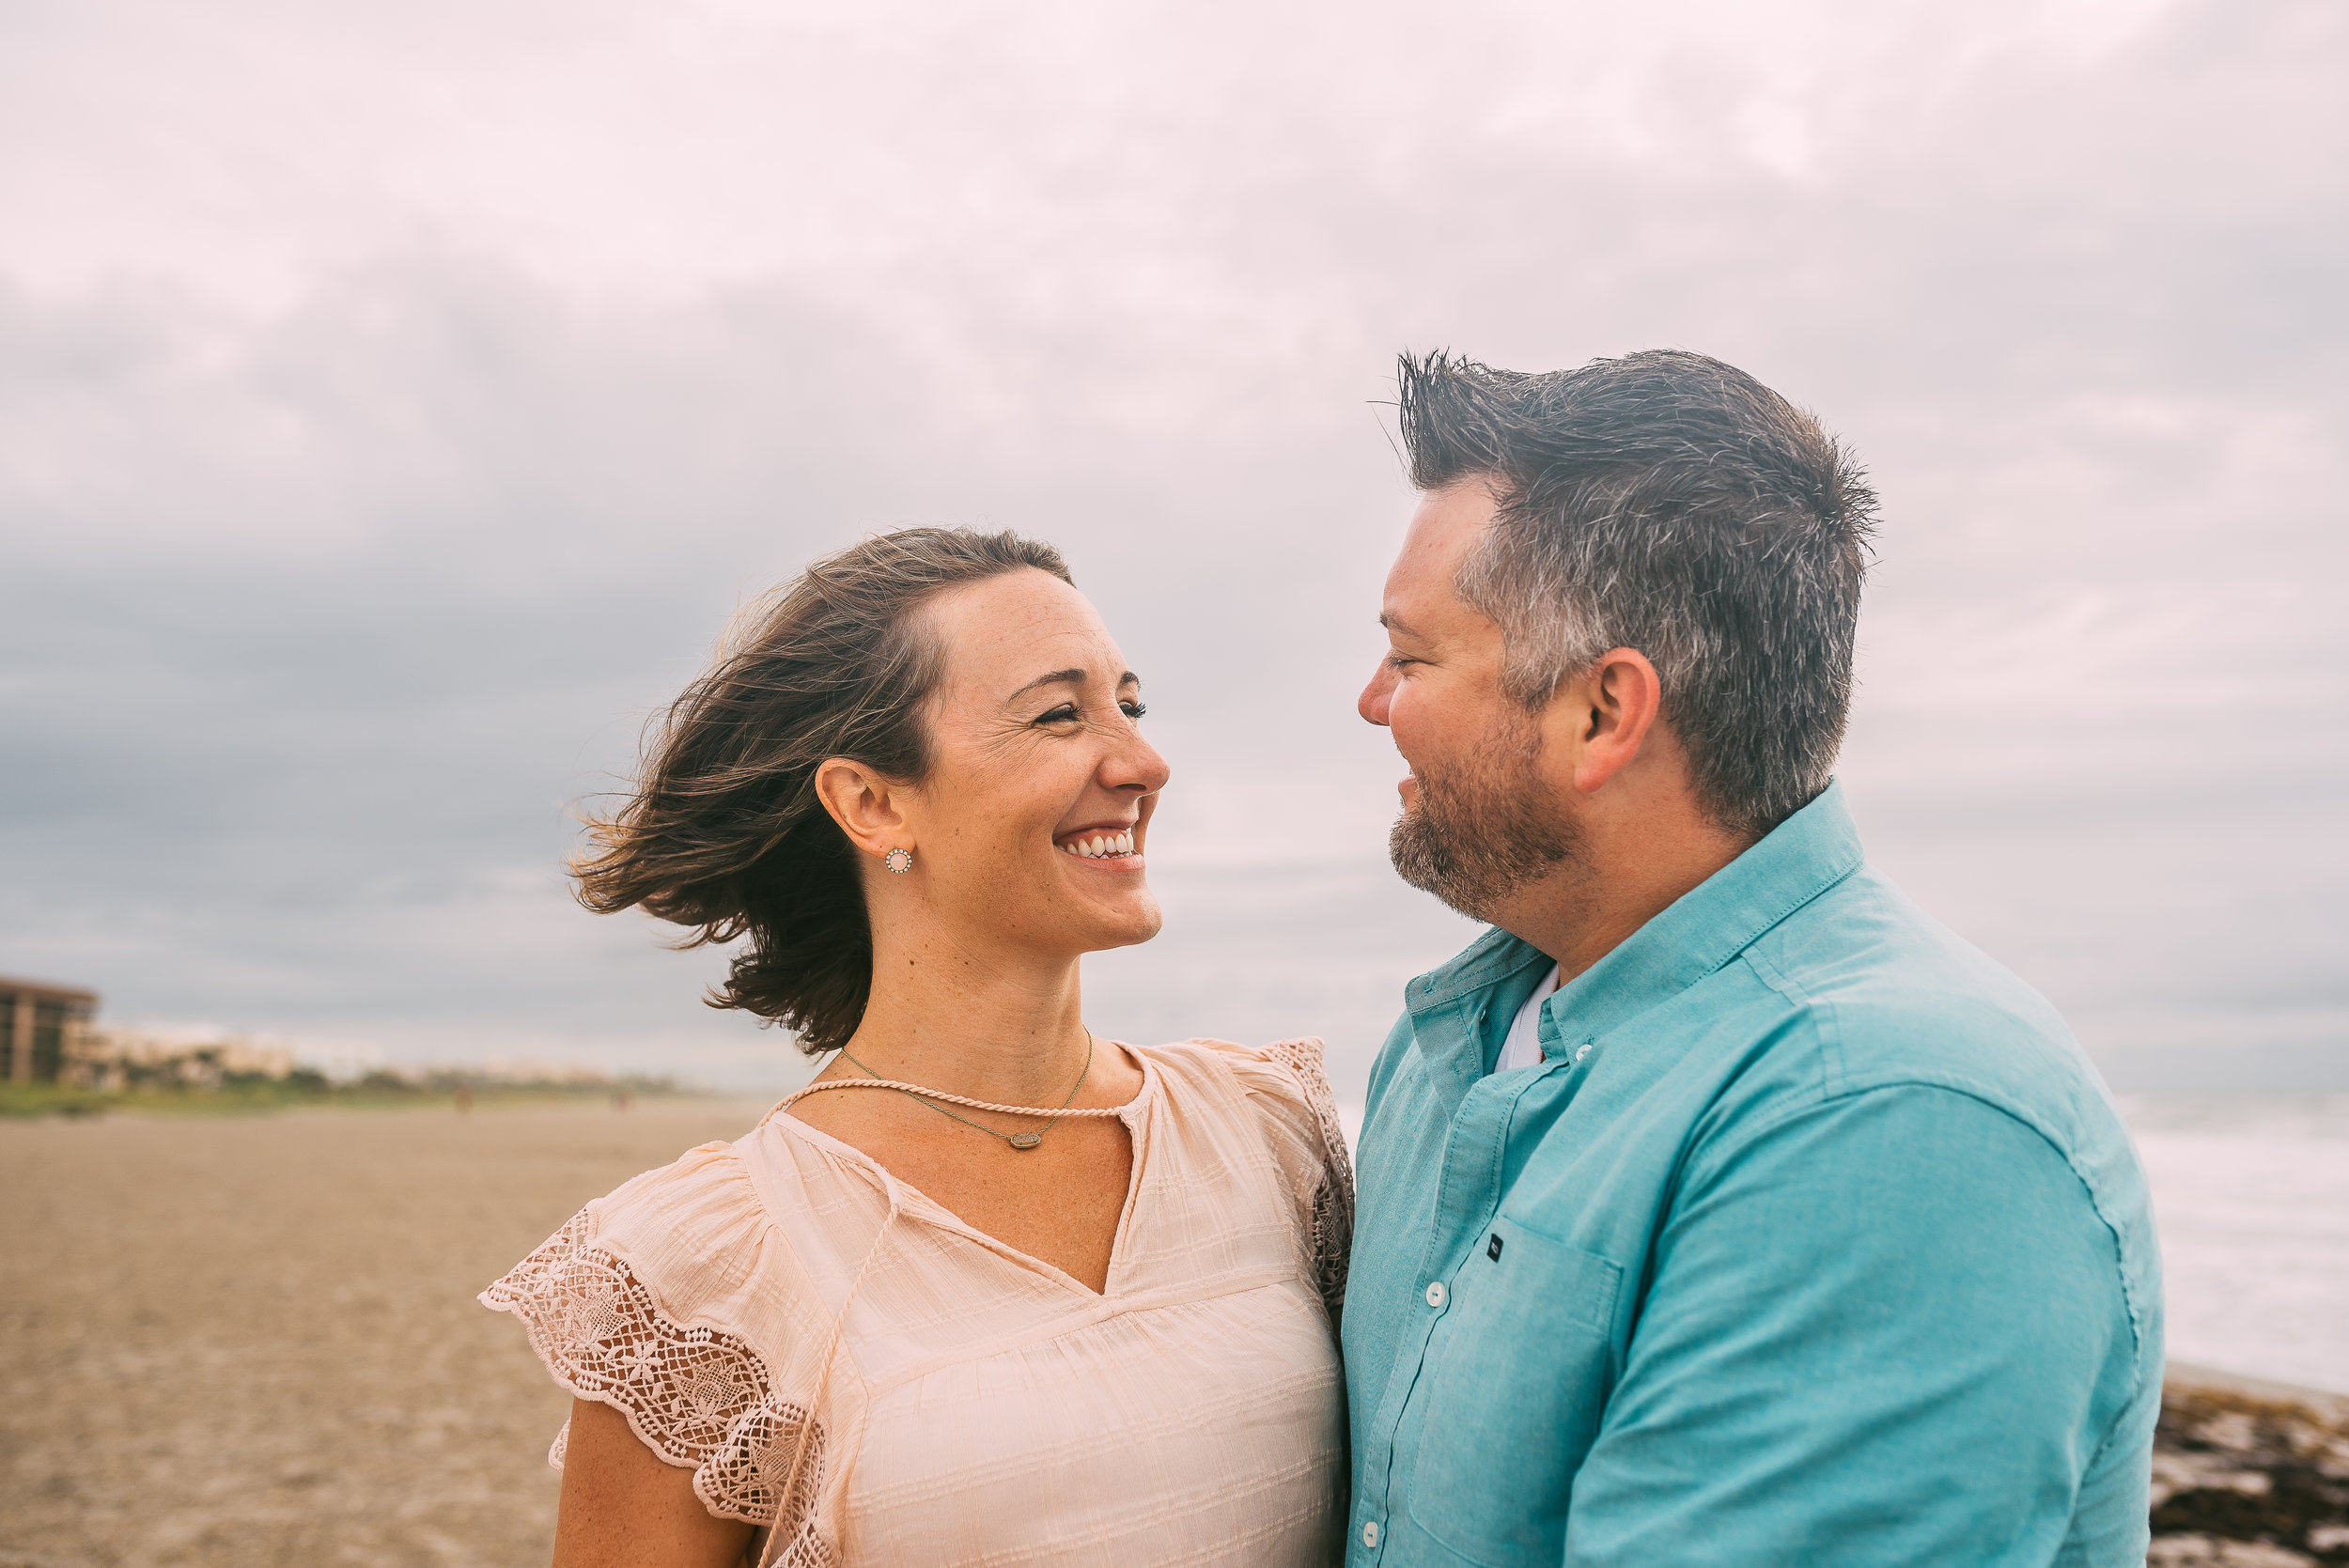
<point x="1102" y="846"/>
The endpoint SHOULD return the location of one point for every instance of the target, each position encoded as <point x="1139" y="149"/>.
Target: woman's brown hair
<point x="724" y="833"/>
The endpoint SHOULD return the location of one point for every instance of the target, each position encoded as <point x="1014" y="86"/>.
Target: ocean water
<point x="2252" y="1196"/>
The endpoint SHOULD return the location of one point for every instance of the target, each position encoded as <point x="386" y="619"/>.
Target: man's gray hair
<point x="1672" y="503"/>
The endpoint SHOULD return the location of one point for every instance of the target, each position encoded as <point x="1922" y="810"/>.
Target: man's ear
<point x="1608" y="711"/>
<point x="866" y="804"/>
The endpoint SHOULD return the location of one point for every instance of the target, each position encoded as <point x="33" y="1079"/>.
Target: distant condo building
<point x="48" y="1034"/>
<point x="42" y="1028"/>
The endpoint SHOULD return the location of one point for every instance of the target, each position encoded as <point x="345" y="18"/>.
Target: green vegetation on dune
<point x="241" y="1093"/>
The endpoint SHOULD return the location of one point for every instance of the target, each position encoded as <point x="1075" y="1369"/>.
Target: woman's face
<point x="1031" y="825"/>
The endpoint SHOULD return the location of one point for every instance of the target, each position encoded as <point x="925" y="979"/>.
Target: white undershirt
<point x="1523" y="1047"/>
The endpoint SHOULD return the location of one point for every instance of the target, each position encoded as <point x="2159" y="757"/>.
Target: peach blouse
<point x="781" y="1314"/>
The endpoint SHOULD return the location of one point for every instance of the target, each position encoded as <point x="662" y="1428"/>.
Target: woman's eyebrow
<point x="1058" y="677"/>
<point x="1071" y="677"/>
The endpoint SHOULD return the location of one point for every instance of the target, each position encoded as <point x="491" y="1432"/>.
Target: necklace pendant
<point x="1026" y="1139"/>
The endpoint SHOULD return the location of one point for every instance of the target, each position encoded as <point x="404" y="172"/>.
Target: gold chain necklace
<point x="1021" y="1141"/>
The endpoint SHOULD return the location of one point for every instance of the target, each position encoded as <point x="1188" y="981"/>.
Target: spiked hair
<point x="1672" y="503"/>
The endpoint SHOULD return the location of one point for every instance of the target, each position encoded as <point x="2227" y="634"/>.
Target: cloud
<point x="396" y="419"/>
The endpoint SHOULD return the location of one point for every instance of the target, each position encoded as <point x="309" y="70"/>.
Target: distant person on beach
<point x="1717" y="1206"/>
<point x="993" y="1289"/>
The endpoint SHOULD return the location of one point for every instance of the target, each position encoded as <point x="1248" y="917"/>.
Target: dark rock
<point x="2248" y="1475"/>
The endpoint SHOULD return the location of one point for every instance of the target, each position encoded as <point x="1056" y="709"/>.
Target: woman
<point x="992" y="1288"/>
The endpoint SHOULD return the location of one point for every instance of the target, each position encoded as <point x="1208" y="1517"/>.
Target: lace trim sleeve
<point x="699" y="1398"/>
<point x="1331" y="1225"/>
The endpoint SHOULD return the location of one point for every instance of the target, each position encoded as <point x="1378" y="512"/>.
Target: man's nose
<point x="1377" y="697"/>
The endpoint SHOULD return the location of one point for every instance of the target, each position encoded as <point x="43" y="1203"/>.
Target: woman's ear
<point x="863" y="803"/>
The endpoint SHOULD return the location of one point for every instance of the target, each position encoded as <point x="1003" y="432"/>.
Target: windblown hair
<point x="724" y="832"/>
<point x="1672" y="503"/>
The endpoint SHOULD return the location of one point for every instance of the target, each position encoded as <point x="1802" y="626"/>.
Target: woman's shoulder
<point x="1282" y="1088"/>
<point x="1284" y="1077"/>
<point x="675" y="1299"/>
<point x="688" y="1236"/>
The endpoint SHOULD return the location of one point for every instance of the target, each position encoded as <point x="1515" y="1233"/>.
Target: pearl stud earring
<point x="899" y="861"/>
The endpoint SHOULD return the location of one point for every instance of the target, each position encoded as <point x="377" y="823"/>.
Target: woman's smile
<point x="1110" y="843"/>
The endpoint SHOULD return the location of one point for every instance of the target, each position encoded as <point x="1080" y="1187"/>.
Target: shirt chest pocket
<point x="1515" y="1376"/>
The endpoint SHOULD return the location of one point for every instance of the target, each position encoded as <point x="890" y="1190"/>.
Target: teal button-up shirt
<point x="1814" y="1240"/>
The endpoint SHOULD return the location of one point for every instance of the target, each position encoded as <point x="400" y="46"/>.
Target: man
<point x="1787" y="1229"/>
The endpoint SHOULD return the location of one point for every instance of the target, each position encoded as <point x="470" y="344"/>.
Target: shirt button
<point x="1435" y="1293"/>
<point x="1370" y="1533"/>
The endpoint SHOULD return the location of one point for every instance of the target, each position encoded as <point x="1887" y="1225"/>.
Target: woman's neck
<point x="989" y="1026"/>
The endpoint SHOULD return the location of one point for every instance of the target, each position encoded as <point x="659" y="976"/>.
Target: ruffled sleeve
<point x="1287" y="1084"/>
<point x="645" y="1301"/>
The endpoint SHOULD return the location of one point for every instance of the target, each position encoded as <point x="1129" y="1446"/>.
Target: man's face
<point x="1480" y="818"/>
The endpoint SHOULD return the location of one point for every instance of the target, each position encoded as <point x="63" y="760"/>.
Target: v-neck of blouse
<point x="1130" y="1115"/>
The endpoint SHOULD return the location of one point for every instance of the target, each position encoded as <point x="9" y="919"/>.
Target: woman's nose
<point x="1137" y="764"/>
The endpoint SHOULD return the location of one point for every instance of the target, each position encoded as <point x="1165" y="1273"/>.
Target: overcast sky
<point x="395" y="401"/>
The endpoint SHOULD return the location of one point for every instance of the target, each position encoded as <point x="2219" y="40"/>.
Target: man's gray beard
<point x="1479" y="835"/>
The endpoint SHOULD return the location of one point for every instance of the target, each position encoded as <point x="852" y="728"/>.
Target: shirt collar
<point x="1699" y="933"/>
<point x="1452" y="1009"/>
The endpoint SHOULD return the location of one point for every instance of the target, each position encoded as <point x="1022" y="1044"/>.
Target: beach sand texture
<point x="253" y="1341"/>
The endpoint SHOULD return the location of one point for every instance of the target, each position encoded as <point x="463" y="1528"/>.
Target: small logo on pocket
<point x="1492" y="1247"/>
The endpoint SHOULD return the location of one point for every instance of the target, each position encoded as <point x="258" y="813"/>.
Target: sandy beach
<point x="252" y="1340"/>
